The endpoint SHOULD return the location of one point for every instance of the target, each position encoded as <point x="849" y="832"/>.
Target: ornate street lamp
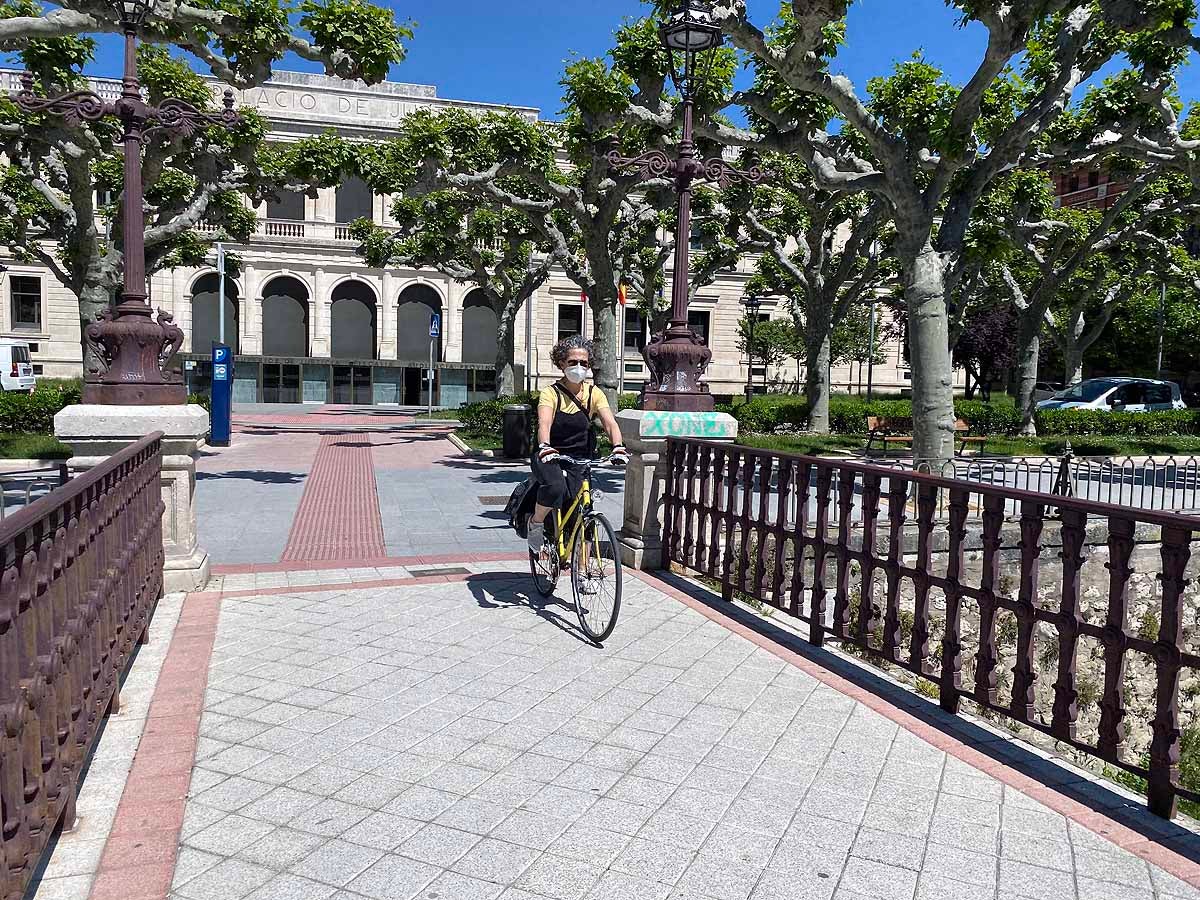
<point x="678" y="357"/>
<point x="753" y="304"/>
<point x="132" y="346"/>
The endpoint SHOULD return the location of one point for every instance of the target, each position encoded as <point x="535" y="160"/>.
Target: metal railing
<point x="29" y="481"/>
<point x="977" y="614"/>
<point x="1169" y="483"/>
<point x="80" y="572"/>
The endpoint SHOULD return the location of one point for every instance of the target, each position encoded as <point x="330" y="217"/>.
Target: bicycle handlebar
<point x="572" y="461"/>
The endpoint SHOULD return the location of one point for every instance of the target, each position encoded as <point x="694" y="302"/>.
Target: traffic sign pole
<point x="435" y="331"/>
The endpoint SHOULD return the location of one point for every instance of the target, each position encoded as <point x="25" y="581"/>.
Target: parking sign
<point x="435" y="324"/>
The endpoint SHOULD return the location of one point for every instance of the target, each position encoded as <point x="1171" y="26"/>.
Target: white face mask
<point x="576" y="374"/>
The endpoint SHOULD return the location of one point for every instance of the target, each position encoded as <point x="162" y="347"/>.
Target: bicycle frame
<point x="581" y="503"/>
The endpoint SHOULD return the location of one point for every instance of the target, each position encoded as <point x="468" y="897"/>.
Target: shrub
<point x="35" y="412"/>
<point x="203" y="400"/>
<point x="849" y="415"/>
<point x="627" y="401"/>
<point x="487" y="417"/>
<point x="1082" y="422"/>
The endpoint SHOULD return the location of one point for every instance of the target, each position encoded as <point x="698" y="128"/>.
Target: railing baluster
<point x="820" y="551"/>
<point x="986" y="659"/>
<point x="1023" y="698"/>
<point x="950" y="683"/>
<point x="688" y="507"/>
<point x="841" y="593"/>
<point x="779" y="530"/>
<point x="897" y="513"/>
<point x="717" y="518"/>
<point x="669" y="502"/>
<point x="800" y="541"/>
<point x="918" y="648"/>
<point x="1114" y="637"/>
<point x="745" y="517"/>
<point x="1066" y="692"/>
<point x="760" y="527"/>
<point x="727" y="573"/>
<point x="1168" y="652"/>
<point x="868" y="609"/>
<point x="704" y="506"/>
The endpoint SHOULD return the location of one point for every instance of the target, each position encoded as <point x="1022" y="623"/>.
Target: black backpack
<point x="520" y="506"/>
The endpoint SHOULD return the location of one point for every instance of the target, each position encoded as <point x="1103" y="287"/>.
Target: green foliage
<point x="201" y="400"/>
<point x="848" y="414"/>
<point x="487" y="417"/>
<point x="367" y="34"/>
<point x="34" y="412"/>
<point x="1072" y="422"/>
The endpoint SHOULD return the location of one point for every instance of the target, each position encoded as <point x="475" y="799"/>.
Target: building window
<point x="26" y="302"/>
<point x="698" y="320"/>
<point x="635" y="331"/>
<point x="1073" y="184"/>
<point x="1093" y="178"/>
<point x="570" y="320"/>
<point x="696" y="240"/>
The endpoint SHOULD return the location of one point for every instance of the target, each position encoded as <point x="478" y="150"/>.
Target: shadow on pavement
<point x="1096" y="796"/>
<point x="495" y="592"/>
<point x="261" y="476"/>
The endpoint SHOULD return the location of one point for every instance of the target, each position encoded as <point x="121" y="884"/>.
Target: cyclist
<point x="566" y="410"/>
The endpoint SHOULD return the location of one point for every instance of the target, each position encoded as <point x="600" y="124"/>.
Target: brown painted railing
<point x="979" y="612"/>
<point x="80" y="573"/>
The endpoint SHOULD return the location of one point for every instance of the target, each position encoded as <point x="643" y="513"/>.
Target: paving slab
<point x="487" y="749"/>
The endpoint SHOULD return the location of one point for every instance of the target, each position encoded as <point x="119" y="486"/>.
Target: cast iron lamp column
<point x="753" y="305"/>
<point x="678" y="357"/>
<point x="132" y="346"/>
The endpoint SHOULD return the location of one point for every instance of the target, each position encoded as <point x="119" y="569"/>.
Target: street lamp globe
<point x="690" y="28"/>
<point x="752" y="304"/>
<point x="132" y="12"/>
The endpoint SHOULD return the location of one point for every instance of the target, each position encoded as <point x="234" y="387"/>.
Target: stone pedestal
<point x="95" y="432"/>
<point x="645" y="434"/>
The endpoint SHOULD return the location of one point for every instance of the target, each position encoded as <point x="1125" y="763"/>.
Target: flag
<point x="583" y="297"/>
<point x="622" y="294"/>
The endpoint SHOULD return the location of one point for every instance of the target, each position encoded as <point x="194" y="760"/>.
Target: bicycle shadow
<point x="491" y="592"/>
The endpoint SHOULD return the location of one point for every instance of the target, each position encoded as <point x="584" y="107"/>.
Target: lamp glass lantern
<point x="690" y="29"/>
<point x="132" y="12"/>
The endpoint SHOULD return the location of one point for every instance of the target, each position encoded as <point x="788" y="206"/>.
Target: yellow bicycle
<point x="595" y="559"/>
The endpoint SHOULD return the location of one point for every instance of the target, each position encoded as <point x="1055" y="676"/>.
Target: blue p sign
<point x="435" y="324"/>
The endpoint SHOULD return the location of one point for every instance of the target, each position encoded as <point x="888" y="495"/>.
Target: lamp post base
<point x="677" y="359"/>
<point x="135" y="348"/>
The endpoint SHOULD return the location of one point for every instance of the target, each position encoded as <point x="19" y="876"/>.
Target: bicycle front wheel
<point x="596" y="577"/>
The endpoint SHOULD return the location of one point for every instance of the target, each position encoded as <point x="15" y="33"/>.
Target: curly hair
<point x="558" y="355"/>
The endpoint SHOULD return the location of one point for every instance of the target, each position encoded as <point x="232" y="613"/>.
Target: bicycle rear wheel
<point x="546" y="566"/>
<point x="596" y="577"/>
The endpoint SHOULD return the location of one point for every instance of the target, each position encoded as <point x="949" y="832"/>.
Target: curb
<point x="469" y="451"/>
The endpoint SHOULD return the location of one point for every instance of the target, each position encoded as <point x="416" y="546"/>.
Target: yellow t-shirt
<point x="593" y="400"/>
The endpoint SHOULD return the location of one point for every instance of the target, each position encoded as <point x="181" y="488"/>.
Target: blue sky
<point x="482" y="50"/>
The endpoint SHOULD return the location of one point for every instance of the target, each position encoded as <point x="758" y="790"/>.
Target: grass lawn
<point x="477" y="440"/>
<point x="20" y="445"/>
<point x="811" y="444"/>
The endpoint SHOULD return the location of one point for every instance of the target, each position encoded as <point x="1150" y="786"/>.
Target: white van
<point x="16" y="368"/>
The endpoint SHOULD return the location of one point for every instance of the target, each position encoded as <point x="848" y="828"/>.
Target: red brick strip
<point x="1152" y="851"/>
<point x="339" y="515"/>
<point x="386" y="562"/>
<point x="138" y="862"/>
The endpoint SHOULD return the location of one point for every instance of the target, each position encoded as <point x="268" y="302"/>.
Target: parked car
<point x="1044" y="390"/>
<point x="1118" y="395"/>
<point x="16" y="368"/>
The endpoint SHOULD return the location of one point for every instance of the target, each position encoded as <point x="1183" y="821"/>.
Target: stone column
<point x="250" y="312"/>
<point x="645" y="434"/>
<point x="386" y="320"/>
<point x="318" y="311"/>
<point x="95" y="432"/>
<point x="325" y="206"/>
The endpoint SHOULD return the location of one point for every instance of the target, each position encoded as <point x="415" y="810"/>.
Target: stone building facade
<point x="310" y="322"/>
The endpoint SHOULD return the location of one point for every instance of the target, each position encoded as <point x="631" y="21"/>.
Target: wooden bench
<point x="885" y="430"/>
<point x="962" y="433"/>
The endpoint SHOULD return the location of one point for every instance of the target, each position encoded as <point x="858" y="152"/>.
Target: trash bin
<point x="516" y="432"/>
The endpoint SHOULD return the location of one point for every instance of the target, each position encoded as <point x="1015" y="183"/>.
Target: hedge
<point x="775" y="413"/>
<point x="35" y="412"/>
<point x="487" y="417"/>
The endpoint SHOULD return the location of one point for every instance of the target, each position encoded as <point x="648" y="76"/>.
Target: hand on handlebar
<point x="547" y="454"/>
<point x="620" y="456"/>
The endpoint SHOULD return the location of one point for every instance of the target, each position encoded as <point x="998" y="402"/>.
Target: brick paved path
<point x="460" y="740"/>
<point x="338" y="518"/>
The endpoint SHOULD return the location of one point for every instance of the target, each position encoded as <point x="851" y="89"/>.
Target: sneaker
<point x="537" y="537"/>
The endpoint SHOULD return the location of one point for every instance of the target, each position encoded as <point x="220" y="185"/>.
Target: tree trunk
<point x="816" y="382"/>
<point x="93" y="300"/>
<point x="1072" y="364"/>
<point x="1029" y="348"/>
<point x="604" y="356"/>
<point x="506" y="376"/>
<point x="924" y="279"/>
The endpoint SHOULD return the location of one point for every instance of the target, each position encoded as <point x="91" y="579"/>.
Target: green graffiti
<point x="685" y="425"/>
